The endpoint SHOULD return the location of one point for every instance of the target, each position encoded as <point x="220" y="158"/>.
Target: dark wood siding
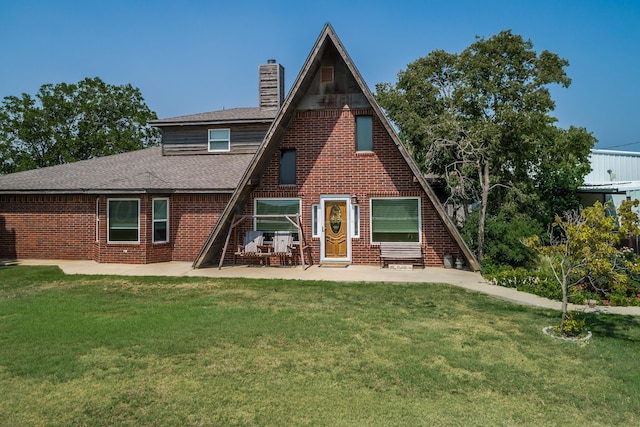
<point x="271" y="88"/>
<point x="341" y="92"/>
<point x="189" y="140"/>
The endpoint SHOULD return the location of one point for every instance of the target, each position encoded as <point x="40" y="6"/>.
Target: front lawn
<point x="90" y="350"/>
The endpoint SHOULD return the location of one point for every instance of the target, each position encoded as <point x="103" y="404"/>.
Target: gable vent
<point x="326" y="75"/>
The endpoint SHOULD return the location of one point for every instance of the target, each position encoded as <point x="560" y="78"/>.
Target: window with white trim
<point x="315" y="217"/>
<point x="219" y="140"/>
<point x="395" y="219"/>
<point x="97" y="219"/>
<point x="276" y="207"/>
<point x="123" y="220"/>
<point x="160" y="220"/>
<point x="355" y="221"/>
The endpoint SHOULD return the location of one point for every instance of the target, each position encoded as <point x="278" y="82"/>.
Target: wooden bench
<point x="401" y="252"/>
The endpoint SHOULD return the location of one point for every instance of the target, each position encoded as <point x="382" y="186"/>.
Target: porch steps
<point x="334" y="265"/>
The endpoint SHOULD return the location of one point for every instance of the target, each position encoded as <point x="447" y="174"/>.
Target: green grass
<point x="106" y="350"/>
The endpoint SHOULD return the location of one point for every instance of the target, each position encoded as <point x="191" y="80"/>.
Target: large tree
<point x="480" y="118"/>
<point x="68" y="122"/>
<point x="560" y="164"/>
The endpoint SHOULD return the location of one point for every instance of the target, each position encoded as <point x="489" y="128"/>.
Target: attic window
<point x="219" y="140"/>
<point x="326" y="75"/>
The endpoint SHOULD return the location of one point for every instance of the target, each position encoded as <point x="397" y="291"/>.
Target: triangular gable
<point x="251" y="178"/>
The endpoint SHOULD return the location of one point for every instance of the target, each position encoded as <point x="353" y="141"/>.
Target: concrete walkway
<point x="353" y="273"/>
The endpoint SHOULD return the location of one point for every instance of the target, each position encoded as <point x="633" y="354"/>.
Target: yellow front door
<point x="335" y="229"/>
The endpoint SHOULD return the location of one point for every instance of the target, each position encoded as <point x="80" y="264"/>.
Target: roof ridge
<point x="240" y="114"/>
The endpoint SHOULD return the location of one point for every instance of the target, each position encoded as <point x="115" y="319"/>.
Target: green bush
<point x="504" y="236"/>
<point x="542" y="283"/>
<point x="538" y="282"/>
<point x="580" y="298"/>
<point x="573" y="327"/>
<point x="618" y="298"/>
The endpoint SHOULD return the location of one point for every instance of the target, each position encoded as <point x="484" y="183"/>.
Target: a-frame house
<point x="322" y="168"/>
<point x="332" y="158"/>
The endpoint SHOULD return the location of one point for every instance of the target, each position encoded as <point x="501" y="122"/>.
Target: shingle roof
<point x="242" y="115"/>
<point x="139" y="171"/>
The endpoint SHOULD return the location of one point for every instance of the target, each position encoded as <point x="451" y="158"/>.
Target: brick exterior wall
<point x="327" y="163"/>
<point x="64" y="227"/>
<point x="47" y="226"/>
<point x="192" y="219"/>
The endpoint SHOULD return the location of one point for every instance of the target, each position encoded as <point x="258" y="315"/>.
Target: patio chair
<point x="283" y="245"/>
<point x="252" y="242"/>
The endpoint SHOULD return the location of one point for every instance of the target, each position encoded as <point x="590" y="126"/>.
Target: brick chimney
<point x="271" y="88"/>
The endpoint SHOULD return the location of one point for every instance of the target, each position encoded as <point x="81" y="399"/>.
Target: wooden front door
<point x="335" y="229"/>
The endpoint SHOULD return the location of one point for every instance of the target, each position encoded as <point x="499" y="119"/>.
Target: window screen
<point x="160" y="220"/>
<point x="123" y="217"/>
<point x="276" y="207"/>
<point x="395" y="220"/>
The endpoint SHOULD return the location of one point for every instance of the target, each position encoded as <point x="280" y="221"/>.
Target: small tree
<point x="629" y="221"/>
<point x="582" y="246"/>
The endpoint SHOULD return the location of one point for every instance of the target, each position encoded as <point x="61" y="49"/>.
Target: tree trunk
<point x="484" y="186"/>
<point x="565" y="303"/>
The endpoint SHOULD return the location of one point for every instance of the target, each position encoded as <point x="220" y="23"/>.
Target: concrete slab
<point x="352" y="273"/>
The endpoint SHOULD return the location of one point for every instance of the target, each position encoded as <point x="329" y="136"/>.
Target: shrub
<point x="541" y="282"/>
<point x="538" y="282"/>
<point x="618" y="298"/>
<point x="573" y="326"/>
<point x="504" y="235"/>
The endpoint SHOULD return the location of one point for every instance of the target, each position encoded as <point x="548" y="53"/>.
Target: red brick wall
<point x="192" y="219"/>
<point x="48" y="226"/>
<point x="63" y="227"/>
<point x="328" y="164"/>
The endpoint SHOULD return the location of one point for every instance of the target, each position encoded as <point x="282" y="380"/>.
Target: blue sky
<point x="194" y="56"/>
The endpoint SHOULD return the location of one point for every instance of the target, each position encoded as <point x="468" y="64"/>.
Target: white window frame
<point x="123" y="242"/>
<point x="97" y="219"/>
<point x="374" y="242"/>
<point x="154" y="220"/>
<point x="316" y="226"/>
<point x="255" y="209"/>
<point x="355" y="221"/>
<point x="210" y="140"/>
